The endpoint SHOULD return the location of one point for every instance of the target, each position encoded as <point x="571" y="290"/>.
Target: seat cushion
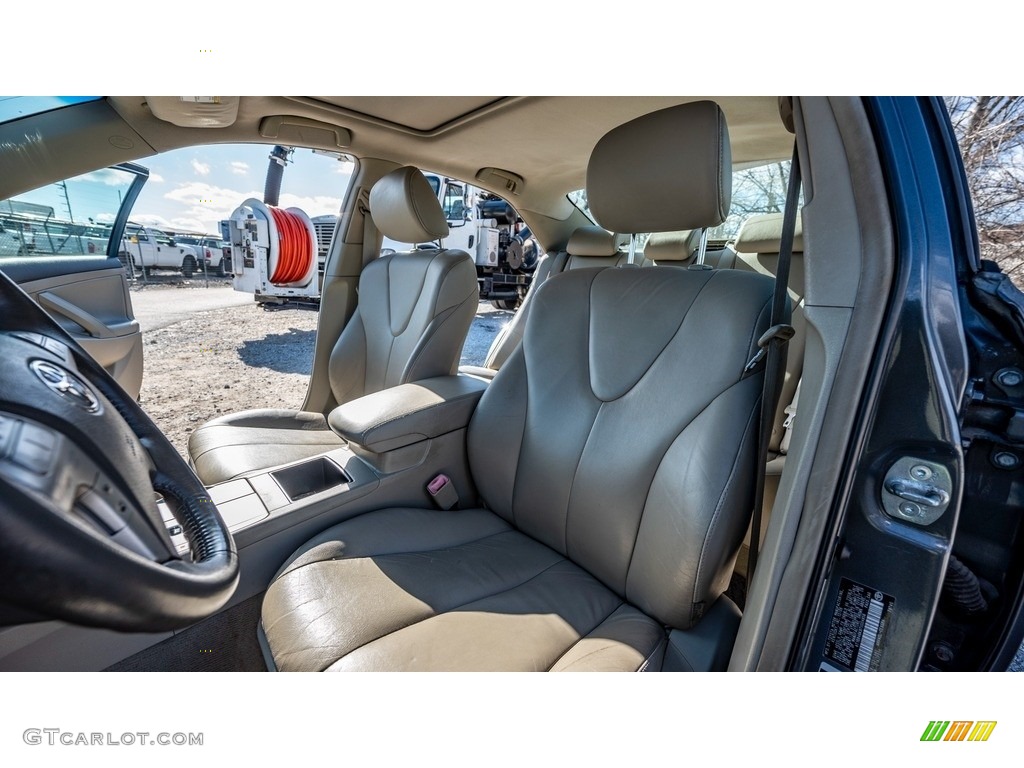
<point x="232" y="445"/>
<point x="418" y="589"/>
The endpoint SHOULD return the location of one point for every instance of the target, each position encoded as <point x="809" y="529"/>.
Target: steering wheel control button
<point x="66" y="384"/>
<point x="35" y="449"/>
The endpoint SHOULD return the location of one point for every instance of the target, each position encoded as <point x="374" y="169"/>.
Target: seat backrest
<point x="679" y="249"/>
<point x="415" y="307"/>
<point x="757" y="250"/>
<point x="588" y="246"/>
<point x="622" y="431"/>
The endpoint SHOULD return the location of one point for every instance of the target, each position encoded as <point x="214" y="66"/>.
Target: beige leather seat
<point x="614" y="455"/>
<point x="414" y="312"/>
<point x="587" y="247"/>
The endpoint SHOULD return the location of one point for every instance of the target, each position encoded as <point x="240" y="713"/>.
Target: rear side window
<point x="73" y="217"/>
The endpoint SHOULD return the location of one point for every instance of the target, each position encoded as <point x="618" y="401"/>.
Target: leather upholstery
<point x="404" y="207"/>
<point x="594" y="241"/>
<point x="587" y="247"/>
<point x="414" y="312"/>
<point x="669" y="170"/>
<point x="418" y="589"/>
<point x="762" y="233"/>
<point x="672" y="246"/>
<point x="638" y="480"/>
<point x="614" y="455"/>
<point x="407" y="414"/>
<point x="236" y="443"/>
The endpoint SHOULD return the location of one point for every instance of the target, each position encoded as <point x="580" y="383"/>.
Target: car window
<point x="73" y="217"/>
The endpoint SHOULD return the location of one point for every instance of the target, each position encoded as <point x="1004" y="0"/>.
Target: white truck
<point x="209" y="252"/>
<point x="147" y="248"/>
<point x="490" y="230"/>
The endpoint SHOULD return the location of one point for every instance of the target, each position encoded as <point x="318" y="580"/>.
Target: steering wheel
<point x="81" y="536"/>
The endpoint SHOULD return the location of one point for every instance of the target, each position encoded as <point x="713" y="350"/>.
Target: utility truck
<point x="490" y="230"/>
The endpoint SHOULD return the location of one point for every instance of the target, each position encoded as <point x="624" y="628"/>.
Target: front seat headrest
<point x="665" y="171"/>
<point x="672" y="246"/>
<point x="404" y="207"/>
<point x="594" y="241"/>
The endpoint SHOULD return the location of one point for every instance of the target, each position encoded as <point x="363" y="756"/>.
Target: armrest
<point x="408" y="413"/>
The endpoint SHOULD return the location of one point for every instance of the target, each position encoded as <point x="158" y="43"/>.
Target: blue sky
<point x="193" y="189"/>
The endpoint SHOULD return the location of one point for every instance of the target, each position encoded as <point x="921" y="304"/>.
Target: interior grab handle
<point x="92" y="325"/>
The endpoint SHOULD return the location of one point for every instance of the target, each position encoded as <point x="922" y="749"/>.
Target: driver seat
<point x="614" y="458"/>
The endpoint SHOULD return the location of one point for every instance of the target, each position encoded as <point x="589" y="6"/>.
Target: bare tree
<point x="990" y="131"/>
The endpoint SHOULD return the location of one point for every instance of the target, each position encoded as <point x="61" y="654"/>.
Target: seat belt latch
<point x="442" y="491"/>
<point x="778" y="335"/>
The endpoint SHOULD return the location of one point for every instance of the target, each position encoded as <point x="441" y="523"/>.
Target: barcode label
<point x="857" y="632"/>
<point x="869" y="636"/>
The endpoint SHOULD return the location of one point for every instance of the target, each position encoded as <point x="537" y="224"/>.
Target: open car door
<point x="61" y="242"/>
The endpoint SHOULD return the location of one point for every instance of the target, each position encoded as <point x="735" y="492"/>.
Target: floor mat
<point x="223" y="643"/>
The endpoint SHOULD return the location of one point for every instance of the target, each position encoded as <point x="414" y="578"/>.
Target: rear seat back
<point x="589" y="246"/>
<point x="757" y="250"/>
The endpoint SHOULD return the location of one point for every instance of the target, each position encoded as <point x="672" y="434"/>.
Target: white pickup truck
<point x="150" y="248"/>
<point x="208" y="250"/>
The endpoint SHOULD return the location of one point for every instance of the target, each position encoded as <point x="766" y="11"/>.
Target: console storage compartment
<point x="309" y="477"/>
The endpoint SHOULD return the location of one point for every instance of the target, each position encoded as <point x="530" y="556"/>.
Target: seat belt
<point x="772" y="345"/>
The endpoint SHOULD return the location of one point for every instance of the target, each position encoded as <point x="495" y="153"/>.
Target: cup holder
<point x="310" y="477"/>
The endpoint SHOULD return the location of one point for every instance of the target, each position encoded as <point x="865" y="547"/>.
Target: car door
<point x="916" y="556"/>
<point x="60" y="243"/>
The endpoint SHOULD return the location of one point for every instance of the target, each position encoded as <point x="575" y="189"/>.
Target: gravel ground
<point x="235" y="358"/>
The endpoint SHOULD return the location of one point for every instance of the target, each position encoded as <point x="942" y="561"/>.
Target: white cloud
<point x="317" y="205"/>
<point x="156" y="178"/>
<point x="203" y="169"/>
<point x="239" y="168"/>
<point x="107" y="176"/>
<point x="204" y="205"/>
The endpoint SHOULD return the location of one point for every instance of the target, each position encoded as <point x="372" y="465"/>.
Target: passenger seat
<point x="414" y="312"/>
<point x="589" y="246"/>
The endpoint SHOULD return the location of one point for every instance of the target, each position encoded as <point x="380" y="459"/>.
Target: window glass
<point x="69" y="218"/>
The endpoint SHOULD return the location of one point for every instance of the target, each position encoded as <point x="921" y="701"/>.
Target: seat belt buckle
<point x="790" y="412"/>
<point x="442" y="491"/>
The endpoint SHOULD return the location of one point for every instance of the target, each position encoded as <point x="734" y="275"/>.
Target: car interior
<point x="580" y="501"/>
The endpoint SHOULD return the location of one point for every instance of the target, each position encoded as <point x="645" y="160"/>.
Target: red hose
<point x="295" y="247"/>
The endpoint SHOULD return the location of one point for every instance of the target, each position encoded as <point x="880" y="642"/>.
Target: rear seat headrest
<point x="594" y="241"/>
<point x="665" y="171"/>
<point x="762" y="234"/>
<point x="672" y="246"/>
<point x="404" y="207"/>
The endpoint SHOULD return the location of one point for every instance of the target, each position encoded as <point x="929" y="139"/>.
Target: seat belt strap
<point x="787" y="425"/>
<point x="370" y="249"/>
<point x="772" y="345"/>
